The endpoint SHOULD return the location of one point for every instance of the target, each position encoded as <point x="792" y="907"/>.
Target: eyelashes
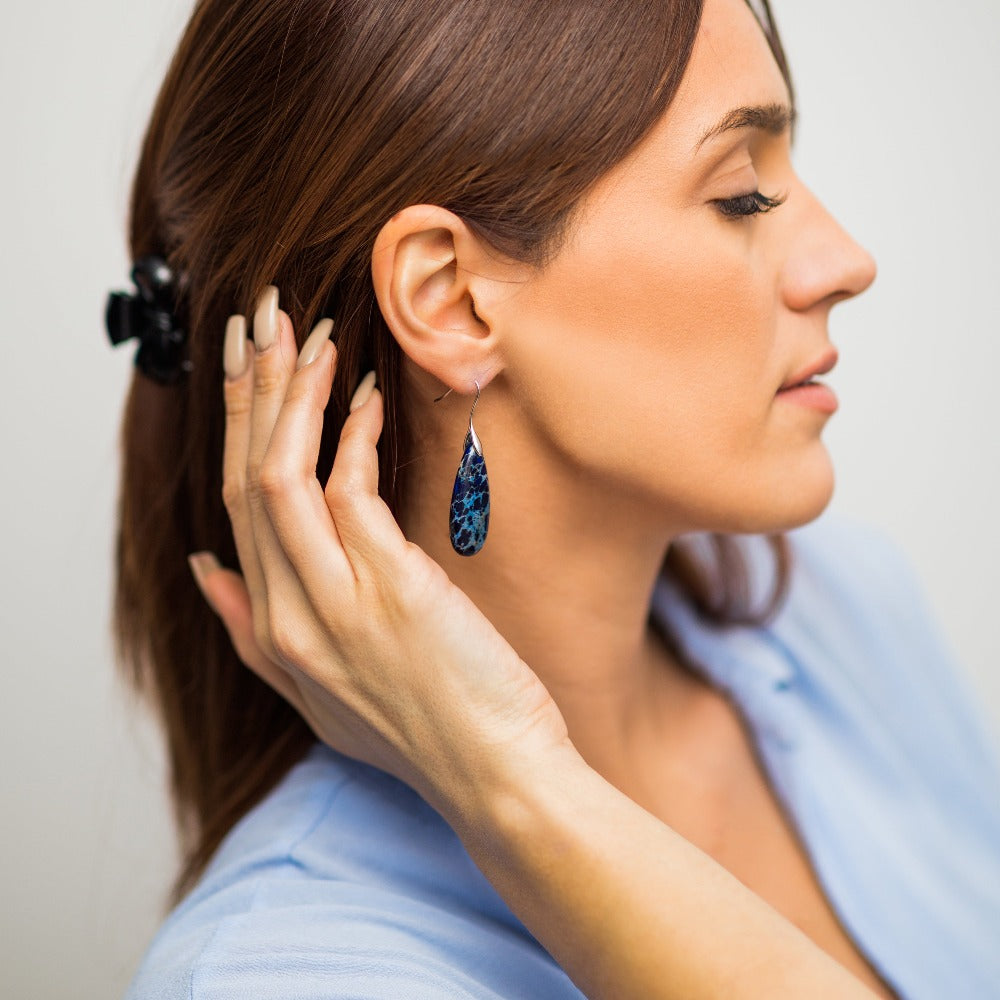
<point x="746" y="205"/>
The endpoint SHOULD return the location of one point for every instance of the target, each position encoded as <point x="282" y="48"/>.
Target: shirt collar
<point x="749" y="663"/>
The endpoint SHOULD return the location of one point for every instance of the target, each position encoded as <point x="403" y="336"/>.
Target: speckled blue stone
<point x="470" y="503"/>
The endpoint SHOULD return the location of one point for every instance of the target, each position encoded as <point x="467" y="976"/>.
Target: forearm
<point x="628" y="907"/>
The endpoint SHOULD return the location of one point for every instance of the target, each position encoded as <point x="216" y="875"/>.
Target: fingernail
<point x="265" y="319"/>
<point x="203" y="563"/>
<point x="235" y="355"/>
<point x="314" y="342"/>
<point x="363" y="391"/>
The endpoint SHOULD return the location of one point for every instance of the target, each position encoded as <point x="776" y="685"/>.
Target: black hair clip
<point x="150" y="315"/>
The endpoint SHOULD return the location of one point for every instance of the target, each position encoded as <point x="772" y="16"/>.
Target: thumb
<point x="204" y="565"/>
<point x="226" y="593"/>
<point x="224" y="590"/>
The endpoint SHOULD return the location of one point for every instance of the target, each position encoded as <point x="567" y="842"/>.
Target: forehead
<point x="731" y="65"/>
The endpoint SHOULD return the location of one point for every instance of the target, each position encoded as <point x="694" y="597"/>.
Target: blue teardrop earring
<point x="469" y="516"/>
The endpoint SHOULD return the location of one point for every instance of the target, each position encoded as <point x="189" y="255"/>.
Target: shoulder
<point x="343" y="883"/>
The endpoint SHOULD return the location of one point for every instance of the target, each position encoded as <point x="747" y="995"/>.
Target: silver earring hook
<point x="476" y="443"/>
<point x="473" y="436"/>
<point x="445" y="393"/>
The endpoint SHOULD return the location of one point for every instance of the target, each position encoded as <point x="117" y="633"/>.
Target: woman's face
<point x="648" y="355"/>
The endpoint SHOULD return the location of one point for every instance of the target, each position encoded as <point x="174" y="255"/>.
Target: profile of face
<point x="641" y="367"/>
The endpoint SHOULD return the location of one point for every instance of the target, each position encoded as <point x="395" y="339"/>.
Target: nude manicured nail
<point x="363" y="391"/>
<point x="203" y="563"/>
<point x="314" y="342"/>
<point x="265" y="319"/>
<point x="235" y="355"/>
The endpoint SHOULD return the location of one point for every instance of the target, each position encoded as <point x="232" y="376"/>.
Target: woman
<point x="574" y="761"/>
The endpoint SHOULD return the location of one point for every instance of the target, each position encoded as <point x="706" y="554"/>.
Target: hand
<point x="386" y="660"/>
<point x="391" y="664"/>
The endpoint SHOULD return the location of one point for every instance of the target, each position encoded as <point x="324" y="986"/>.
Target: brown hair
<point x="282" y="139"/>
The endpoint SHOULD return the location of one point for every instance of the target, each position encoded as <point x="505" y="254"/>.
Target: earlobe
<point x="425" y="262"/>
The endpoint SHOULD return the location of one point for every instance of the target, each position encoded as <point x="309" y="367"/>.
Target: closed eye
<point x="750" y="204"/>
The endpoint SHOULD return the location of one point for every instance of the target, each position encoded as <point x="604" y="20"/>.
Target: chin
<point x="807" y="494"/>
<point x="794" y="496"/>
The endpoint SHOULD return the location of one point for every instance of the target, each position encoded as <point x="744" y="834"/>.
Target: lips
<point x="820" y="366"/>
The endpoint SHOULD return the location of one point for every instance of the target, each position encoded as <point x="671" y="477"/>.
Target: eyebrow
<point x="770" y="118"/>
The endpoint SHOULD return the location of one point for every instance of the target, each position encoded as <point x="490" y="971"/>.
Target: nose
<point x="826" y="264"/>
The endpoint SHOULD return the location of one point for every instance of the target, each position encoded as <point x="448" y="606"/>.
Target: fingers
<point x="238" y="394"/>
<point x="325" y="540"/>
<point x="298" y="543"/>
<point x="273" y="364"/>
<point x="366" y="526"/>
<point x="289" y="490"/>
<point x="227" y="595"/>
<point x="252" y="402"/>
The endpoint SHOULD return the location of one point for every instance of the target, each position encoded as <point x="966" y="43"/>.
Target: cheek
<point x="631" y="353"/>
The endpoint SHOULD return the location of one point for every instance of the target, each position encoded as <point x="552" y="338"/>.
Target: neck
<point x="566" y="576"/>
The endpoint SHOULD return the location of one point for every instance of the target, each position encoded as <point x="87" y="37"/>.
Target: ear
<point x="433" y="285"/>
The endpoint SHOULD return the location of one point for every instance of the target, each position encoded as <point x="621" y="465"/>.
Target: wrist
<point x="511" y="797"/>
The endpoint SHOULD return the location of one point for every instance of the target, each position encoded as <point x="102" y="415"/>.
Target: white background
<point x="898" y="135"/>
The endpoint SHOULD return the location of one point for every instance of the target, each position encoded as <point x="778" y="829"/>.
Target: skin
<point x="537" y="739"/>
<point x="628" y="394"/>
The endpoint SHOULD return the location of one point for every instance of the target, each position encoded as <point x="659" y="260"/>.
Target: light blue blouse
<point x="343" y="883"/>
